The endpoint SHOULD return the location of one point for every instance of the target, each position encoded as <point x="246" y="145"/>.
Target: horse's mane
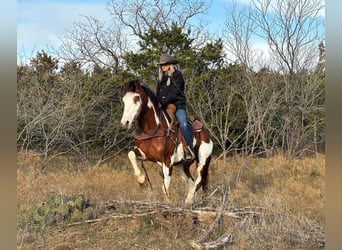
<point x="151" y="95"/>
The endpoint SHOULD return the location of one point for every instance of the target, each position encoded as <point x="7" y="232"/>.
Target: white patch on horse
<point x="178" y="154"/>
<point x="166" y="119"/>
<point x="204" y="152"/>
<point x="194" y="142"/>
<point x="166" y="180"/>
<point x="132" y="106"/>
<point x="143" y="156"/>
<point x="150" y="105"/>
<point x="137" y="172"/>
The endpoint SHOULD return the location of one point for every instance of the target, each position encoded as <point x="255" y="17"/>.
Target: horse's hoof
<point x="143" y="184"/>
<point x="189" y="202"/>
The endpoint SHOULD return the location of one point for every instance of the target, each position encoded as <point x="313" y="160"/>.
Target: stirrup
<point x="189" y="155"/>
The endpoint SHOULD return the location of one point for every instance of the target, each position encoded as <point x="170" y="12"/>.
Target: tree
<point x="141" y="16"/>
<point x="154" y="43"/>
<point x="211" y="99"/>
<point x="39" y="113"/>
<point x="292" y="31"/>
<point x="252" y="105"/>
<point x="78" y="114"/>
<point x="89" y="114"/>
<point x="93" y="43"/>
<point x="293" y="34"/>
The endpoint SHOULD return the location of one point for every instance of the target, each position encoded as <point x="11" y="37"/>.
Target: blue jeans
<point x="184" y="126"/>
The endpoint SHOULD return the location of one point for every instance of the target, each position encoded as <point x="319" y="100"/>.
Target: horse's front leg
<point x="137" y="171"/>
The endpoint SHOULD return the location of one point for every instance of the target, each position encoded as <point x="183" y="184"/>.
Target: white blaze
<point x="132" y="105"/>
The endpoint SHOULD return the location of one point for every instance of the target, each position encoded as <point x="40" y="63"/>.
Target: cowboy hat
<point x="167" y="59"/>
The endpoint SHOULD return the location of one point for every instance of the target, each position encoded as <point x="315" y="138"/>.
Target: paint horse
<point x="155" y="141"/>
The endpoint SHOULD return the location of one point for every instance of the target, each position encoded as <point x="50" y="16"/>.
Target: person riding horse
<point x="170" y="90"/>
<point x="156" y="142"/>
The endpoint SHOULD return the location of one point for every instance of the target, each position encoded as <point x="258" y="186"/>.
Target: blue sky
<point x="41" y="23"/>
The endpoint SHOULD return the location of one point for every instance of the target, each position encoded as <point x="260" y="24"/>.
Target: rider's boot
<point x="189" y="155"/>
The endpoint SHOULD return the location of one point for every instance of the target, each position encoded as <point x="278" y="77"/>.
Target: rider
<point x="170" y="90"/>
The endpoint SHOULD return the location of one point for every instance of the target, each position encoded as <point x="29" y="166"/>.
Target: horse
<point x="157" y="142"/>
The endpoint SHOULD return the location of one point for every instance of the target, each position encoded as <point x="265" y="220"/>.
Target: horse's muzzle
<point x="126" y="123"/>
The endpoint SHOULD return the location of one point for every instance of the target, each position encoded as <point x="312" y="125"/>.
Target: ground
<point x="256" y="203"/>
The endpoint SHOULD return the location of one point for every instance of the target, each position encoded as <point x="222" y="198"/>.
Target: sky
<point x="42" y="23"/>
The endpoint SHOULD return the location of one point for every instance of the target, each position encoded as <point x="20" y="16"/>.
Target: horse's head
<point x="132" y="100"/>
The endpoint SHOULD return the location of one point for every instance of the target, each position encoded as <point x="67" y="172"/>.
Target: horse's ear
<point x="137" y="84"/>
<point x="129" y="86"/>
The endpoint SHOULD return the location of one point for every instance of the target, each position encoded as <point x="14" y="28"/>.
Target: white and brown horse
<point x="156" y="142"/>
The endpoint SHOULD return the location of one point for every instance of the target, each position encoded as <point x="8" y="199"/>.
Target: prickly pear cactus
<point x="59" y="208"/>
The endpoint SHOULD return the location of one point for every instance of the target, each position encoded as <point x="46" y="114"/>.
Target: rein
<point x="151" y="133"/>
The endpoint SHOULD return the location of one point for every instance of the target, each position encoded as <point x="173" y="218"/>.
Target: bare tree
<point x="40" y="115"/>
<point x="68" y="112"/>
<point x="143" y="15"/>
<point x="292" y="30"/>
<point x="259" y="96"/>
<point x="92" y="42"/>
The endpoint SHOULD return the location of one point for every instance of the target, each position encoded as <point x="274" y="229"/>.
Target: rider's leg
<point x="184" y="126"/>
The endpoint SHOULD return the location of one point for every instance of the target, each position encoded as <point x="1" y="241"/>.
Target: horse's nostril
<point x="124" y="123"/>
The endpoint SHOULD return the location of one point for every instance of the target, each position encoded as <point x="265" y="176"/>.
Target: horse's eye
<point x="136" y="99"/>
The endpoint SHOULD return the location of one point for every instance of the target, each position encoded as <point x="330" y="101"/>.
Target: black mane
<point x="151" y="95"/>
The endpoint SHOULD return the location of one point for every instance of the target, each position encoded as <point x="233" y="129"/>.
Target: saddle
<point x="195" y="125"/>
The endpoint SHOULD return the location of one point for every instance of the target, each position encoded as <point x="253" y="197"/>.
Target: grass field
<point x="253" y="203"/>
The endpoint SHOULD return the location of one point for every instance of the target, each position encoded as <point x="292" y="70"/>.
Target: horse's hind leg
<point x="204" y="175"/>
<point x="137" y="171"/>
<point x="204" y="157"/>
<point x="189" y="179"/>
<point x="194" y="186"/>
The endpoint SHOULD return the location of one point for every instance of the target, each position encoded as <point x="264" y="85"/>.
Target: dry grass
<point x="289" y="192"/>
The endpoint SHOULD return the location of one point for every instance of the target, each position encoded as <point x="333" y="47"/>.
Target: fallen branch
<point x="115" y="216"/>
<point x="224" y="239"/>
<point x="145" y="206"/>
<point x="306" y="232"/>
